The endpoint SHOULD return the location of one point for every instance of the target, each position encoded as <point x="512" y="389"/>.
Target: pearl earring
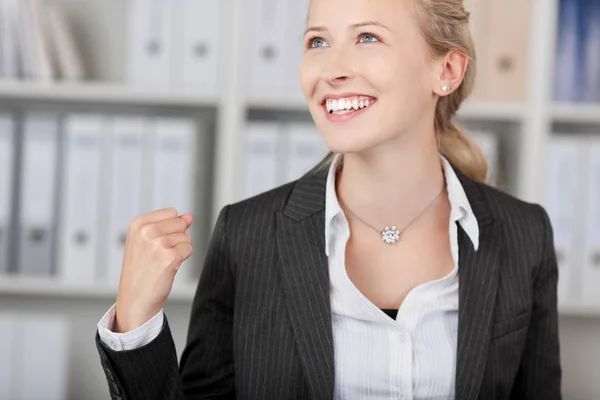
<point x="446" y="88"/>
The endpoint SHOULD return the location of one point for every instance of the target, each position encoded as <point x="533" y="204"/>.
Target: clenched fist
<point x="157" y="244"/>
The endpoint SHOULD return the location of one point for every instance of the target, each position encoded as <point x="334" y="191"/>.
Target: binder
<point x="127" y="138"/>
<point x="297" y="13"/>
<point x="9" y="24"/>
<point x="564" y="203"/>
<point x="592" y="53"/>
<point x="568" y="51"/>
<point x="8" y="347"/>
<point x="261" y="158"/>
<point x="42" y="357"/>
<point x="7" y="177"/>
<point x="305" y="148"/>
<point x="267" y="46"/>
<point x="198" y="43"/>
<point x="80" y="197"/>
<point x="489" y="144"/>
<point x="173" y="174"/>
<point x="505" y="63"/>
<point x="591" y="265"/>
<point x="479" y="27"/>
<point x="37" y="197"/>
<point x="35" y="33"/>
<point x="149" y="44"/>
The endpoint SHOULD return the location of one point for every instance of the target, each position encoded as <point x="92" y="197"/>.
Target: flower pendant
<point x="390" y="236"/>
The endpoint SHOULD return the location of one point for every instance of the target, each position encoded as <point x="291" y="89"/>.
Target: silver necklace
<point x="392" y="235"/>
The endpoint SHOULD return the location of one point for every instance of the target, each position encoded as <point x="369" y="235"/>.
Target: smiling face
<point x="367" y="73"/>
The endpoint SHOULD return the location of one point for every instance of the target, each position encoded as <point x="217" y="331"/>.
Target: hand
<point x="157" y="244"/>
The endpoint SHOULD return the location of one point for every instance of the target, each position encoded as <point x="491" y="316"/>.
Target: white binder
<point x="37" y="217"/>
<point x="126" y="186"/>
<point x="489" y="144"/>
<point x="198" y="43"/>
<point x="305" y="148"/>
<point x="297" y="12"/>
<point x="149" y="44"/>
<point x="591" y="265"/>
<point x="7" y="177"/>
<point x="173" y="173"/>
<point x="262" y="149"/>
<point x="42" y="357"/>
<point x="267" y="45"/>
<point x="9" y="24"/>
<point x="8" y="346"/>
<point x="80" y="197"/>
<point x="564" y="204"/>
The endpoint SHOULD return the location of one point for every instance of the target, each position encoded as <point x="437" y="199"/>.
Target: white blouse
<point x="414" y="356"/>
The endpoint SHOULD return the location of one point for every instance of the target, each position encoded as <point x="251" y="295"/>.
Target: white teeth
<point x="344" y="106"/>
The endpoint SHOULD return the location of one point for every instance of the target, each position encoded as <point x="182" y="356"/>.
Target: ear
<point x="450" y="72"/>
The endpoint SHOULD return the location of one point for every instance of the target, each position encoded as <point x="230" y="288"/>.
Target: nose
<point x="338" y="70"/>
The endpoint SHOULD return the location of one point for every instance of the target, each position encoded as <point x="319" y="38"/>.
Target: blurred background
<point x="112" y="108"/>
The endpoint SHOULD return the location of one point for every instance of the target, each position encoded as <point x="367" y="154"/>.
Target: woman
<point x="306" y="294"/>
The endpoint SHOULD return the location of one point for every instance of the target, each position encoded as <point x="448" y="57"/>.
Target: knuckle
<point x="170" y="212"/>
<point x="136" y="224"/>
<point x="147" y="231"/>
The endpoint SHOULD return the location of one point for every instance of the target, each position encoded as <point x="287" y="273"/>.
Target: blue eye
<point x="317" y="42"/>
<point x="367" y="38"/>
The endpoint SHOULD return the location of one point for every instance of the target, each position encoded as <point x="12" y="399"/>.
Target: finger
<point x="154" y="216"/>
<point x="161" y="228"/>
<point x="174" y="239"/>
<point x="184" y="251"/>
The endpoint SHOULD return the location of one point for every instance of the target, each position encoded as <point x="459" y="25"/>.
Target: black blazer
<point x="260" y="325"/>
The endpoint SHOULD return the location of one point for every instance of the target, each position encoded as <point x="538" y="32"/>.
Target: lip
<point x="344" y="117"/>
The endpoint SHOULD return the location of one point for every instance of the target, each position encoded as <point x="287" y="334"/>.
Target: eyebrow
<point x="353" y="26"/>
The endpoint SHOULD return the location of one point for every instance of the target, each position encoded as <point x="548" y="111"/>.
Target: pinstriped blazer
<point x="260" y="324"/>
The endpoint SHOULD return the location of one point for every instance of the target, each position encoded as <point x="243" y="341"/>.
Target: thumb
<point x="187" y="218"/>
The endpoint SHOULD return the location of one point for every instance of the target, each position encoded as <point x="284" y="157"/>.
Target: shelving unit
<point x="99" y="93"/>
<point x="56" y="289"/>
<point x="529" y="123"/>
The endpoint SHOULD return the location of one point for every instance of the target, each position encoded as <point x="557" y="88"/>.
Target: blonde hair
<point x="445" y="26"/>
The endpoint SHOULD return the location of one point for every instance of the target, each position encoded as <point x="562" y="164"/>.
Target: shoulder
<point x="524" y="222"/>
<point x="258" y="209"/>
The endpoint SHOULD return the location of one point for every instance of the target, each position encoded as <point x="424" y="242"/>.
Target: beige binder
<point x="478" y="25"/>
<point x="504" y="65"/>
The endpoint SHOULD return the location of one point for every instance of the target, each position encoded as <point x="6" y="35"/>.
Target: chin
<point x="348" y="141"/>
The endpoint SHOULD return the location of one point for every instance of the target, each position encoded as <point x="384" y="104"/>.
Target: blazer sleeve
<point x="151" y="372"/>
<point x="540" y="373"/>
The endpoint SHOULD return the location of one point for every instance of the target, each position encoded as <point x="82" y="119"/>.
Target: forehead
<point x="341" y="13"/>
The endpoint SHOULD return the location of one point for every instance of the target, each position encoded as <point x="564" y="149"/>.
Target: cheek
<point x="402" y="79"/>
<point x="309" y="75"/>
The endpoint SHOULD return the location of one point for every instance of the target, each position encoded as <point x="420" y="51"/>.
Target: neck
<point x="391" y="184"/>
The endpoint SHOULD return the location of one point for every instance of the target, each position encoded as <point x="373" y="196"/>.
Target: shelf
<point x="277" y="102"/>
<point x="492" y="111"/>
<point x="576" y="112"/>
<point x="53" y="288"/>
<point x="90" y="92"/>
<point x="480" y="110"/>
<point x="579" y="311"/>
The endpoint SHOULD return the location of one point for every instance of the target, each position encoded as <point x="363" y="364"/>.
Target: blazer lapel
<point x="478" y="283"/>
<point x="305" y="277"/>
